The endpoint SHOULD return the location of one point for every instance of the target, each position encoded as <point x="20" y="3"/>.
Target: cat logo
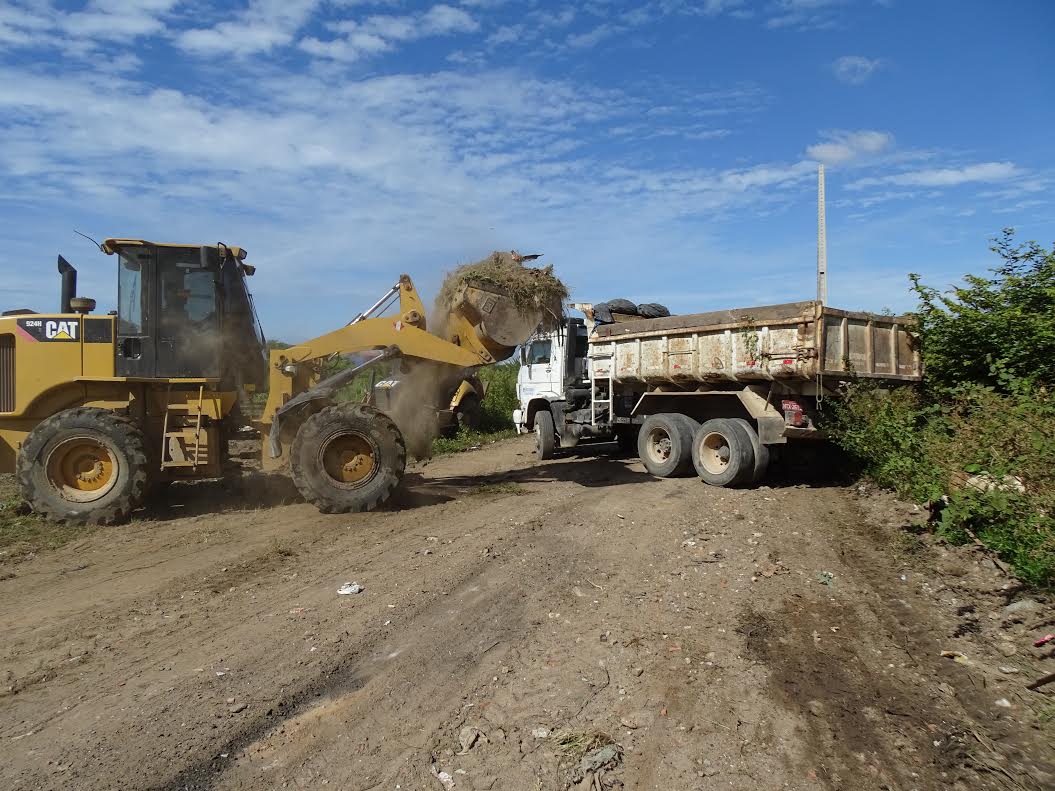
<point x="60" y="330"/>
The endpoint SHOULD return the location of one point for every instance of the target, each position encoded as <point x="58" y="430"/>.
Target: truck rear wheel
<point x="760" y="451"/>
<point x="84" y="466"/>
<point x="722" y="453"/>
<point x="348" y="457"/>
<point x="664" y="444"/>
<point x="545" y="435"/>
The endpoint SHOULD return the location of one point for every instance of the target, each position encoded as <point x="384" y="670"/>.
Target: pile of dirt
<point x="531" y="290"/>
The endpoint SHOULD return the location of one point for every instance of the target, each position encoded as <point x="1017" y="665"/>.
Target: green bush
<point x="998" y="330"/>
<point x="979" y="435"/>
<point x="496" y="413"/>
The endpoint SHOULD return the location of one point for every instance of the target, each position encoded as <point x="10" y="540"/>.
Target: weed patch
<point x="978" y="438"/>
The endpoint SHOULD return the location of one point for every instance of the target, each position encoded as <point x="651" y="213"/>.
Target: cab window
<point x="130" y="296"/>
<point x="538" y="352"/>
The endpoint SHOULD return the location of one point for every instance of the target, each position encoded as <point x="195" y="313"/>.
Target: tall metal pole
<point x="822" y="242"/>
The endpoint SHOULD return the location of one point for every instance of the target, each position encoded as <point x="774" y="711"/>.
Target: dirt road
<point x="515" y="616"/>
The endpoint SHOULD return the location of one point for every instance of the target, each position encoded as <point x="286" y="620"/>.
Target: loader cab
<point x="185" y="312"/>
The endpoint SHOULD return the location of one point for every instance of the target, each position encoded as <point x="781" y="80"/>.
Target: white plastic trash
<point x="349" y="588"/>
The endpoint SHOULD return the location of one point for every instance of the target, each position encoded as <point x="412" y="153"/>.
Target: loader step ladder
<point x="595" y="387"/>
<point x="181" y="444"/>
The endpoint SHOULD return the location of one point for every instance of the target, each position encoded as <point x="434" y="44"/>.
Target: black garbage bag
<point x="602" y="314"/>
<point x="652" y="310"/>
<point x="622" y="306"/>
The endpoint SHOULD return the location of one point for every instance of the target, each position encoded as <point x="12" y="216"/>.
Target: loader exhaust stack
<point x="69" y="285"/>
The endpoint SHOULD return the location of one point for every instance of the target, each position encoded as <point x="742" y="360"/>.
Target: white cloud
<point x="855" y="69"/>
<point x="376" y="34"/>
<point x="984" y="172"/>
<point x="593" y="37"/>
<point x="803" y="14"/>
<point x="841" y="147"/>
<point x="78" y="33"/>
<point x="261" y="27"/>
<point x="715" y="7"/>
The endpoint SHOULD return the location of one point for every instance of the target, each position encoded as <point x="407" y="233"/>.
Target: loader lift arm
<point x="297" y="396"/>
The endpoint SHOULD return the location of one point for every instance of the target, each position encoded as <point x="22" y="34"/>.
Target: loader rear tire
<point x="347" y="458"/>
<point x="664" y="444"/>
<point x="84" y="466"/>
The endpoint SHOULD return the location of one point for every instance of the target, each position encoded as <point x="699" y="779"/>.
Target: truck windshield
<point x="538" y="352"/>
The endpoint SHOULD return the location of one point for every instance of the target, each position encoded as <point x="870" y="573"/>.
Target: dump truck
<point x="720" y="393"/>
<point x="97" y="411"/>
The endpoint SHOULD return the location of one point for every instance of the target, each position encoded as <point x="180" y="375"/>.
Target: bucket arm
<point x="294" y="372"/>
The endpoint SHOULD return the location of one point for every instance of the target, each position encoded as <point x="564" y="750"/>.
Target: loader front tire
<point x="347" y="458"/>
<point x="84" y="466"/>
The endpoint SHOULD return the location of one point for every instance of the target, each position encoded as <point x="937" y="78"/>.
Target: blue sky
<point x="661" y="151"/>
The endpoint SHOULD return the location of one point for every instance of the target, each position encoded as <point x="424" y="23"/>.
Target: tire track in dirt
<point x="571" y="598"/>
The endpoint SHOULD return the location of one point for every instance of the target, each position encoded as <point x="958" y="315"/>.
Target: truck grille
<point x="7" y="373"/>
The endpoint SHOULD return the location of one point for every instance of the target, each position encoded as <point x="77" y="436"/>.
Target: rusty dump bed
<point x="794" y="341"/>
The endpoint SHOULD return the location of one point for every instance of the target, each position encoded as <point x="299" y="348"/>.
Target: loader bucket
<point x="499" y="324"/>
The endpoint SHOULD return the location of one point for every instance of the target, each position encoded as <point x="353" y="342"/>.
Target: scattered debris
<point x="1044" y="640"/>
<point x="956" y="656"/>
<point x="984" y="482"/>
<point x="1023" y="607"/>
<point x="825" y="578"/>
<point x="1008" y="669"/>
<point x="598" y="760"/>
<point x="1003" y="703"/>
<point x="577" y="743"/>
<point x="350" y="588"/>
<point x="540" y="733"/>
<point x="468" y="737"/>
<point x="1040" y="682"/>
<point x="629" y="723"/>
<point x="443" y="777"/>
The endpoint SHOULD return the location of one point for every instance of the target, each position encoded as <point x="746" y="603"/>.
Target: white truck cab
<point x="553" y="366"/>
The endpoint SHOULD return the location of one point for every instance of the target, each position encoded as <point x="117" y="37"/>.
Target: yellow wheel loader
<point x="98" y="410"/>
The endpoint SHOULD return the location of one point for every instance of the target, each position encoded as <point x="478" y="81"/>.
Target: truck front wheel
<point x="664" y="444"/>
<point x="722" y="453"/>
<point x="348" y="457"/>
<point x="545" y="435"/>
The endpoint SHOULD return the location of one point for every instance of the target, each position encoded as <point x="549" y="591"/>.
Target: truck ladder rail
<point x="595" y="382"/>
